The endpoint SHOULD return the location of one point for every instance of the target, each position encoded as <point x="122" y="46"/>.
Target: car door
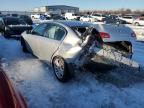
<point x="51" y="41"/>
<point x="33" y="37"/>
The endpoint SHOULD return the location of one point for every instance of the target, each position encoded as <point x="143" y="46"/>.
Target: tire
<point x="60" y="69"/>
<point x="90" y="20"/>
<point x="137" y="24"/>
<point x="66" y="18"/>
<point x="23" y="44"/>
<point x="6" y="35"/>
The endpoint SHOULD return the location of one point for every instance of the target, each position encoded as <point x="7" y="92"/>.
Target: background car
<point x="139" y="21"/>
<point x="9" y="96"/>
<point x="113" y="20"/>
<point x="99" y="17"/>
<point x="35" y="16"/>
<point x="57" y="17"/>
<point x="26" y="18"/>
<point x="87" y="18"/>
<point x="12" y="26"/>
<point x="1" y="15"/>
<point x="71" y="16"/>
<point x="61" y="44"/>
<point x="128" y="19"/>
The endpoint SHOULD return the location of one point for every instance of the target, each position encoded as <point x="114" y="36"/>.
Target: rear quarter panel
<point x="69" y="48"/>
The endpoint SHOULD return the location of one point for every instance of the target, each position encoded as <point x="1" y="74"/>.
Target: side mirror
<point x="28" y="31"/>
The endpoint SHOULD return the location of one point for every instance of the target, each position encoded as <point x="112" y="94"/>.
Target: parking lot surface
<point x="121" y="87"/>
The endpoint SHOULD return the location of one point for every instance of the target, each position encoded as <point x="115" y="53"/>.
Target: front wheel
<point x="61" y="69"/>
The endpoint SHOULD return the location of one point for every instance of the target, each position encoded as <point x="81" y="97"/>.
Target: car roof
<point x="75" y="23"/>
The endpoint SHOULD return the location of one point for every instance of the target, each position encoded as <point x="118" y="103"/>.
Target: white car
<point x="129" y="19"/>
<point x="99" y="17"/>
<point x="63" y="44"/>
<point x="71" y="16"/>
<point x="139" y="21"/>
<point x="118" y="36"/>
<point x="139" y="31"/>
<point x="88" y="18"/>
<point x="35" y="16"/>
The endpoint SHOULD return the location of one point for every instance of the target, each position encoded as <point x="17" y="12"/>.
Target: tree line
<point x="121" y="11"/>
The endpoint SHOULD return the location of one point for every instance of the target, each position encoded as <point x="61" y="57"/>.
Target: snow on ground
<point x="138" y="52"/>
<point x="119" y="88"/>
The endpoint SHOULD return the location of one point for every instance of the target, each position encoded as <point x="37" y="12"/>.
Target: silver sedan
<point x="63" y="44"/>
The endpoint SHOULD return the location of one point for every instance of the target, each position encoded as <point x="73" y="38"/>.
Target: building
<point x="59" y="9"/>
<point x="41" y="9"/>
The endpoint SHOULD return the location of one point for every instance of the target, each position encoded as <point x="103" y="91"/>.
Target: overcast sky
<point x="20" y="5"/>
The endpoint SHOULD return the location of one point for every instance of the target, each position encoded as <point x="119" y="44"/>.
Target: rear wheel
<point x="137" y="24"/>
<point x="90" y="20"/>
<point x="6" y="35"/>
<point x="61" y="69"/>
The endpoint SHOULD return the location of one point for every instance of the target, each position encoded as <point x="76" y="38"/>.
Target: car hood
<point x="9" y="96"/>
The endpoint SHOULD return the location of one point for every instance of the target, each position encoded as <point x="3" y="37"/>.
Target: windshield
<point x="74" y="14"/>
<point x="14" y="21"/>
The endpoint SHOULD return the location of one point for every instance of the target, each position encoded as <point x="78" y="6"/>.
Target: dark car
<point x="26" y="18"/>
<point x="52" y="17"/>
<point x="57" y="17"/>
<point x="1" y="15"/>
<point x="12" y="26"/>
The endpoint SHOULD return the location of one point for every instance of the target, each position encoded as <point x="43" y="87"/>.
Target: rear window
<point x="127" y="17"/>
<point x="97" y="15"/>
<point x="79" y="30"/>
<point x="13" y="21"/>
<point x="104" y="16"/>
<point x="74" y="14"/>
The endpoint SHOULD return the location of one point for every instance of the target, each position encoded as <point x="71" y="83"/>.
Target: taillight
<point x="133" y="34"/>
<point x="104" y="35"/>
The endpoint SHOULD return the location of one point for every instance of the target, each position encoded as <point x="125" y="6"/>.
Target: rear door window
<point x="40" y="30"/>
<point x="55" y="32"/>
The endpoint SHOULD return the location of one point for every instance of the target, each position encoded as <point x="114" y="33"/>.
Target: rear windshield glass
<point x="13" y="21"/>
<point x="79" y="30"/>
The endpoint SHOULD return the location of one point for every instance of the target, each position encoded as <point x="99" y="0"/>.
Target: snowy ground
<point x="119" y="88"/>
